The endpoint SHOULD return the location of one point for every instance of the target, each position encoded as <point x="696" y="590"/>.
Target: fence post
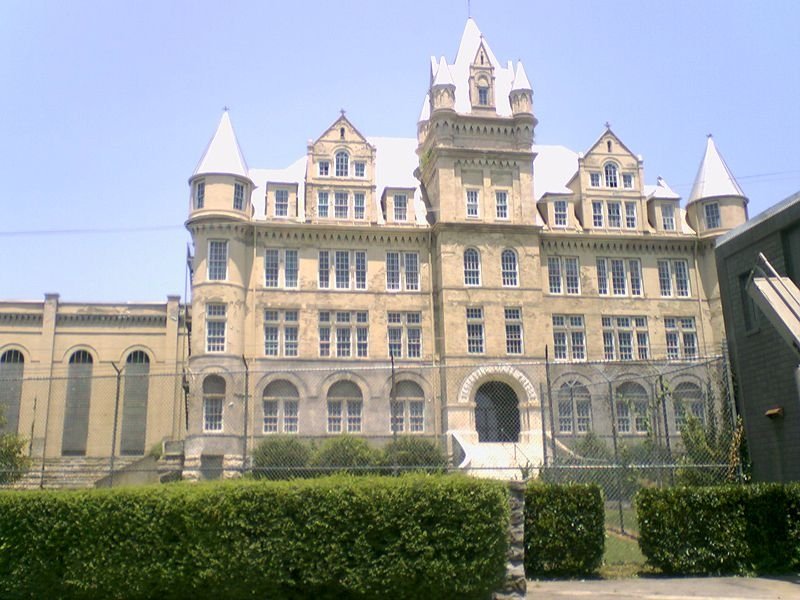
<point x="114" y="427"/>
<point x="550" y="402"/>
<point x="663" y="393"/>
<point x="515" y="585"/>
<point x="617" y="466"/>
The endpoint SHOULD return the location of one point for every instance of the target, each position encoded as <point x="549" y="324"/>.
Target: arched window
<point x="342" y="164"/>
<point x="76" y="411"/>
<point x="574" y="408"/>
<point x="134" y="405"/>
<point x="408" y="408"/>
<point x="508" y="264"/>
<point x="610" y="171"/>
<point x="472" y="267"/>
<point x="345" y="404"/>
<point x="688" y="398"/>
<point x="12" y="366"/>
<point x="213" y="402"/>
<point x="632" y="398"/>
<point x="280" y="403"/>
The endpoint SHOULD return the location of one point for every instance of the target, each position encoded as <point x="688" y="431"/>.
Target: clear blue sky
<point x="107" y="106"/>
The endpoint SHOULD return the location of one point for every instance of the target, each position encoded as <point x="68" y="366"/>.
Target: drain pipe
<point x="114" y="428"/>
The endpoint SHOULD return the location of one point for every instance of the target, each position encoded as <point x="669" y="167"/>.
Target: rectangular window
<point x="584" y="415"/>
<point x="594" y="179"/>
<point x="280" y="332"/>
<point x="618" y="282"/>
<point x="361" y="269"/>
<point x="635" y="273"/>
<point x="416" y="416"/>
<point x="513" y="330"/>
<point x="472" y="203"/>
<point x="324" y="269"/>
<point x="664" y="278"/>
<point x="565" y="415"/>
<point x="630" y="215"/>
<point x="324" y="168"/>
<point x="392" y="270"/>
<point x="681" y="277"/>
<point x="281" y="203"/>
<point x="572" y="276"/>
<point x="411" y="266"/>
<point x="324" y="333"/>
<point x="712" y="215"/>
<point x="400" y="207"/>
<point x="625" y="338"/>
<point x="404" y="332"/>
<point x="602" y="276"/>
<point x="322" y="205"/>
<point x="475" y="330"/>
<point x="501" y="205"/>
<point x="342" y="342"/>
<point x="402" y="271"/>
<point x="340" y="208"/>
<point x="350" y="332"/>
<point x="291" y="268"/>
<point x="334" y="416"/>
<point x="212" y="413"/>
<point x="597" y="211"/>
<point x="360" y="168"/>
<point x="238" y="196"/>
<point x="270" y="416"/>
<point x="627" y="180"/>
<point x="200" y="194"/>
<point x="626" y="276"/>
<point x="569" y="337"/>
<point x="681" y="334"/>
<point x="358" y="205"/>
<point x="342" y="269"/>
<point x="623" y="417"/>
<point x="560" y="213"/>
<point x="668" y="217"/>
<point x="290" y="414"/>
<point x="271" y="267"/>
<point x="215" y="327"/>
<point x="354" y="416"/>
<point x="483" y="96"/>
<point x="218" y="260"/>
<point x="614" y="215"/>
<point x="554" y="274"/>
<point x="674" y="275"/>
<point x="362" y="342"/>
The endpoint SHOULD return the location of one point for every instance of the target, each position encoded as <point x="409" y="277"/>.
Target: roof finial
<point x="708" y="135"/>
<point x="225" y="108"/>
<point x="608" y="125"/>
<point x="342" y="111"/>
<point x="469" y="9"/>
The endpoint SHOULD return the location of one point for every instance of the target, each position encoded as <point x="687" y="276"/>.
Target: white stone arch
<point x="296" y="381"/>
<point x="123" y="357"/>
<point x="26" y="355"/>
<point x="519" y="382"/>
<point x="338" y="376"/>
<point x="423" y="383"/>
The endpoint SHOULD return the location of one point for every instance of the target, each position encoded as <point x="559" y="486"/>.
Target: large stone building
<point x="468" y="255"/>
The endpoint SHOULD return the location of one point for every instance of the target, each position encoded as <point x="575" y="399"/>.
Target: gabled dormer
<point x="398" y="206"/>
<point x="340" y="176"/>
<point x="221" y="182"/>
<point x="663" y="208"/>
<point x="482" y="80"/>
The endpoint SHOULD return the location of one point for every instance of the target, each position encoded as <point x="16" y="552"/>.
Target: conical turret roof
<point x="521" y="79"/>
<point x="223" y="155"/>
<point x="443" y="76"/>
<point x="425" y="113"/>
<point x="714" y="178"/>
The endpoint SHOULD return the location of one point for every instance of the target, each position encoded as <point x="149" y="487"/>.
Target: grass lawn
<point x="622" y="558"/>
<point x="628" y="518"/>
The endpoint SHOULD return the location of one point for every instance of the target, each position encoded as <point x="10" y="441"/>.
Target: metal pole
<point x="663" y="394"/>
<point x="114" y="428"/>
<point x="392" y="402"/>
<point x="246" y="409"/>
<point x="617" y="466"/>
<point x="544" y="424"/>
<point x="550" y="401"/>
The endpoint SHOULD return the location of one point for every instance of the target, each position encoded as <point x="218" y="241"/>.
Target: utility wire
<point x="98" y="230"/>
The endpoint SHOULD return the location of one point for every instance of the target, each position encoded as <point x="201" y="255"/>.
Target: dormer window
<point x="342" y="164"/>
<point x="281" y="203"/>
<point x="667" y="217"/>
<point x="238" y="196"/>
<point x="199" y="194"/>
<point x="712" y="215"/>
<point x="483" y="96"/>
<point x="610" y="171"/>
<point x="324" y="168"/>
<point x="560" y="211"/>
<point x="400" y="207"/>
<point x="360" y="168"/>
<point x="627" y="181"/>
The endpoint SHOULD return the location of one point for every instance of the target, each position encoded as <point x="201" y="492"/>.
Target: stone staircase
<point x="70" y="472"/>
<point x="497" y="460"/>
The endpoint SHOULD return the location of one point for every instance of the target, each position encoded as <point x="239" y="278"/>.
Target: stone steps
<point x="70" y="472"/>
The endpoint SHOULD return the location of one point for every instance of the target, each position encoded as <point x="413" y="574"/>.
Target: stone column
<point x="515" y="584"/>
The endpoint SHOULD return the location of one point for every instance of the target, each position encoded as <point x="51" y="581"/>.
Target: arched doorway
<point x="497" y="413"/>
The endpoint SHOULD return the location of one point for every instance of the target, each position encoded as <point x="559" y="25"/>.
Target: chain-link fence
<point x="622" y="425"/>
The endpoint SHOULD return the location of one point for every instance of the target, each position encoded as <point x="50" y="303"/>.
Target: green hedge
<point x="721" y="529"/>
<point x="407" y="537"/>
<point x="564" y="529"/>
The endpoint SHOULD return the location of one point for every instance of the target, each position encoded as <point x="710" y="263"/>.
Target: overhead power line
<point x="98" y="230"/>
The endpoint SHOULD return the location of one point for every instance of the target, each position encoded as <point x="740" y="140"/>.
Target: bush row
<point x="723" y="529"/>
<point x="409" y="537"/>
<point x="287" y="457"/>
<point x="564" y="529"/>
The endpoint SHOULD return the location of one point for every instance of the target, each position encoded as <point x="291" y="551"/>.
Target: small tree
<point x="281" y="457"/>
<point x="345" y="454"/>
<point x="411" y="453"/>
<point x="13" y="462"/>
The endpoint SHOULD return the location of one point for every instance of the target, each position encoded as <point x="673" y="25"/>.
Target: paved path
<point x="654" y="588"/>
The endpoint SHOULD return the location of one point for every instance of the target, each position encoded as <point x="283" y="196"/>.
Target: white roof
<point x="459" y="71"/>
<point x="521" y="79"/>
<point x="223" y="155"/>
<point x="294" y="173"/>
<point x="714" y="178"/>
<point x="660" y="190"/>
<point x="425" y="113"/>
<point x="443" y="76"/>
<point x="553" y="167"/>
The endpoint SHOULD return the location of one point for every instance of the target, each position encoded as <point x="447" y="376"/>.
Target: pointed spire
<point x="425" y="113"/>
<point x="714" y="178"/>
<point x="443" y="76"/>
<point x="223" y="155"/>
<point x="663" y="190"/>
<point x="521" y="79"/>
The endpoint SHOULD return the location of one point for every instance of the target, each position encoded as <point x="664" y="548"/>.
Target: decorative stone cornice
<point x="23" y="318"/>
<point x="121" y="319"/>
<point x="627" y="244"/>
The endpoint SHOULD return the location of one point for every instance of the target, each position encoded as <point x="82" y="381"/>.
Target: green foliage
<point x="412" y="453"/>
<point x="418" y="536"/>
<point x="345" y="454"/>
<point x="722" y="529"/>
<point x="281" y="457"/>
<point x="13" y="461"/>
<point x="564" y="529"/>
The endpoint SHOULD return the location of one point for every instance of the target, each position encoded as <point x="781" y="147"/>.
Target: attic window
<point x="481" y="57"/>
<point x="608" y="145"/>
<point x="483" y="96"/>
<point x="341" y="133"/>
<point x="342" y="164"/>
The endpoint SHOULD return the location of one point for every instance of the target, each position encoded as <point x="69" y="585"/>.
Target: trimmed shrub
<point x="409" y="537"/>
<point x="722" y="529"/>
<point x="345" y="454"/>
<point x="412" y="453"/>
<point x="564" y="529"/>
<point x="281" y="457"/>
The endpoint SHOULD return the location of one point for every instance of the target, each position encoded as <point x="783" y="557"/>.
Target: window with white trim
<point x="594" y="179"/>
<point x="668" y="217"/>
<point x="345" y="405"/>
<point x="346" y="268"/>
<point x="360" y="168"/>
<point x="569" y="337"/>
<point x="238" y="196"/>
<point x="627" y="181"/>
<point x="199" y="194"/>
<point x="472" y="203"/>
<point x="281" y="203"/>
<point x="688" y="398"/>
<point x="630" y="215"/>
<point x="213" y="403"/>
<point x="216" y="320"/>
<point x="626" y="276"/>
<point x="563" y="274"/>
<point x="625" y="338"/>
<point x="342" y="162"/>
<point x="359" y="205"/>
<point x="574" y="408"/>
<point x="322" y="205"/>
<point x="472" y="267"/>
<point x="280" y="401"/>
<point x="673" y="278"/>
<point x="610" y="171"/>
<point x="508" y="266"/>
<point x="501" y="204"/>
<point x="681" y="334"/>
<point x="280" y="332"/>
<point x="280" y="268"/>
<point x="614" y="214"/>
<point x="597" y="213"/>
<point x="513" y="318"/>
<point x="402" y="271"/>
<point x="408" y="407"/>
<point x="341" y="205"/>
<point x="217" y="260"/>
<point x="632" y="398"/>
<point x="400" y="207"/>
<point x="711" y="211"/>
<point x="404" y="334"/>
<point x="560" y="213"/>
<point x="344" y="334"/>
<point x="324" y="168"/>
<point x="475" y="329"/>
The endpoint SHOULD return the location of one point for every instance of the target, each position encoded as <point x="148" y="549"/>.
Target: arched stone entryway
<point x="497" y="413"/>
